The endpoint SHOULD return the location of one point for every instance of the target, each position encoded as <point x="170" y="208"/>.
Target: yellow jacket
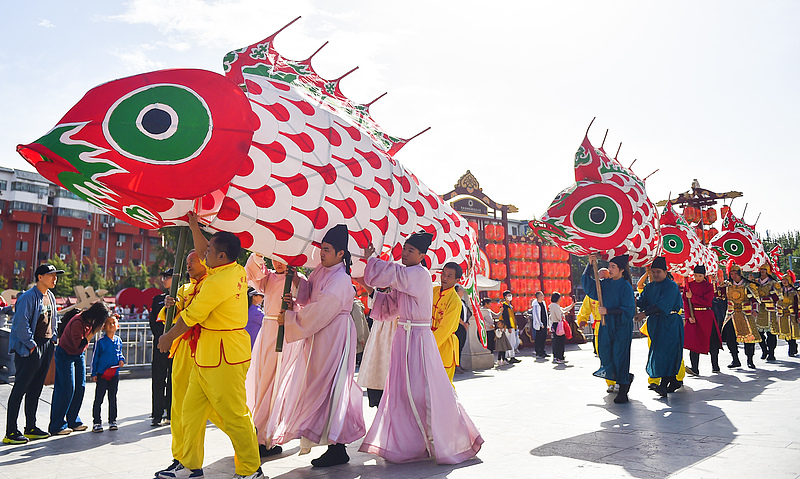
<point x="589" y="312"/>
<point x="185" y="295"/>
<point x="220" y="308"/>
<point x="445" y="319"/>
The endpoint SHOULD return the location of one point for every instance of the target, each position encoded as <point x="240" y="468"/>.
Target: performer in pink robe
<point x="419" y="415"/>
<point x="318" y="401"/>
<point x="260" y="380"/>
<point x="701" y="331"/>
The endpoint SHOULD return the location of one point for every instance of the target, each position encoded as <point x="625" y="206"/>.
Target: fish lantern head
<point x="738" y="242"/>
<point x="605" y="211"/>
<point x="137" y="146"/>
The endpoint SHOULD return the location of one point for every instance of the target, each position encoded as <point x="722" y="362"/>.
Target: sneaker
<point x="112" y="426"/>
<point x="36" y="433"/>
<point x="256" y="475"/>
<point x="610" y="388"/>
<point x="691" y="371"/>
<point x="180" y="472"/>
<point x="15" y="437"/>
<point x="175" y="463"/>
<point x="155" y="423"/>
<point x="97" y="428"/>
<point x="80" y="427"/>
<point x="559" y="361"/>
<point x="264" y="452"/>
<point x="64" y="432"/>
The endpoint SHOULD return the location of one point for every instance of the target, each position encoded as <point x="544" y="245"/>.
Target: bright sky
<point x="705" y="90"/>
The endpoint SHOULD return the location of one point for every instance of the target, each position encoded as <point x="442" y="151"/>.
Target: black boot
<point x="750" y="363"/>
<point x="764" y="350"/>
<point x="264" y="452"/>
<point x="735" y="363"/>
<point x="661" y="389"/>
<point x="792" y="348"/>
<point x="622" y="395"/>
<point x="335" y="455"/>
<point x="673" y="384"/>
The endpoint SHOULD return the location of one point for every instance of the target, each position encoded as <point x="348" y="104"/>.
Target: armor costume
<point x="788" y="321"/>
<point x="739" y="316"/>
<point x="769" y="292"/>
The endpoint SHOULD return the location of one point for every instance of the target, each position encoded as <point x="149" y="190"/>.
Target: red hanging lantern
<point x="500" y="232"/>
<point x="724" y="211"/>
<point x="535" y="269"/>
<point x="534" y="251"/>
<point x="710" y="233"/>
<point x="710" y="216"/>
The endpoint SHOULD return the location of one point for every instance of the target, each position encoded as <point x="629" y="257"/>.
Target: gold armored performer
<point x="788" y="321"/>
<point x="738" y="292"/>
<point x="769" y="293"/>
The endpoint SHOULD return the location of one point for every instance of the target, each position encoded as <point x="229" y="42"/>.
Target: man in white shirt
<point x="539" y="323"/>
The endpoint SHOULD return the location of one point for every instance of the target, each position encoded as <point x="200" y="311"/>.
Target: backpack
<point x="65" y="319"/>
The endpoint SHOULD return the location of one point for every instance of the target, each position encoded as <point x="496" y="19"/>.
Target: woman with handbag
<point x="560" y="327"/>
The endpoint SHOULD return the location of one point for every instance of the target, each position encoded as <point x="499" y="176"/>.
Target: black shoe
<point x="652" y="386"/>
<point x="33" y="433"/>
<point x="622" y="395"/>
<point x="661" y="389"/>
<point x="764" y="355"/>
<point x="335" y="455"/>
<point x="674" y="385"/>
<point x="155" y="423"/>
<point x="771" y="358"/>
<point x="735" y="364"/>
<point x="750" y="363"/>
<point x="264" y="452"/>
<point x="15" y="437"/>
<point x="514" y="361"/>
<point x="715" y="368"/>
<point x="692" y="371"/>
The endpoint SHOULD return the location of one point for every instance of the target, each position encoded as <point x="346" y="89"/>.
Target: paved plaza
<point x="538" y="420"/>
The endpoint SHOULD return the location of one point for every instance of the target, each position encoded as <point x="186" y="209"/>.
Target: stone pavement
<point x="538" y="420"/>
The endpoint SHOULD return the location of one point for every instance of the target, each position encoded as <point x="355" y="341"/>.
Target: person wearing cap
<point x="161" y="387"/>
<point x="769" y="293"/>
<point x="260" y="381"/>
<point x="661" y="302"/>
<point x="739" y="325"/>
<point x="616" y="330"/>
<point x="318" y="400"/>
<point x="32" y="340"/>
<point x="221" y="359"/>
<point x="255" y="314"/>
<point x="701" y="332"/>
<point x="419" y="415"/>
<point x="788" y="313"/>
<point x="445" y="317"/>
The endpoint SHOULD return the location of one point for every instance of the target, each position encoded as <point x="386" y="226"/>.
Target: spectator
<point x="540" y="323"/>
<point x="501" y="342"/>
<point x="488" y="317"/>
<point x="32" y="341"/>
<point x="160" y="367"/>
<point x="556" y="320"/>
<point x="107" y="360"/>
<point x="255" y="315"/>
<point x="70" y="382"/>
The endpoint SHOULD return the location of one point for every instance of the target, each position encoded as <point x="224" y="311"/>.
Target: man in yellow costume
<point x="445" y="317"/>
<point x="221" y="358"/>
<point x="589" y="313"/>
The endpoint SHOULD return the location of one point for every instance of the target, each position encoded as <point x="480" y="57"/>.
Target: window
<point x="70" y="213"/>
<point x="137" y="246"/>
<point x="3" y="185"/>
<point x="22" y="246"/>
<point x="1" y="224"/>
<point x="23" y="206"/>
<point x="155" y="241"/>
<point x="120" y="270"/>
<point x="29" y="187"/>
<point x="42" y="256"/>
<point x="66" y="232"/>
<point x="87" y="234"/>
<point x="20" y="265"/>
<point x="136" y="262"/>
<point x="121" y="238"/>
<point x="120" y="254"/>
<point x="64" y="249"/>
<point x="23" y="227"/>
<point x="44" y="237"/>
<point x="101" y="252"/>
<point x="102" y="236"/>
<point x="62" y="193"/>
<point x="151" y="257"/>
<point x="87" y="251"/>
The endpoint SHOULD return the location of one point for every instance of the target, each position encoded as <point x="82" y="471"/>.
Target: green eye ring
<point x="599" y="215"/>
<point x="159" y="124"/>
<point x="673" y="243"/>
<point x="733" y="247"/>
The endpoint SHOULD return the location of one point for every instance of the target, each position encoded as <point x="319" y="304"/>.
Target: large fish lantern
<point x="738" y="242"/>
<point x="681" y="246"/>
<point x="606" y="211"/>
<point x="271" y="152"/>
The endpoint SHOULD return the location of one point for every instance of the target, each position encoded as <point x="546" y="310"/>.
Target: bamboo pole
<point x="599" y="291"/>
<point x="178" y="271"/>
<point x="287" y="288"/>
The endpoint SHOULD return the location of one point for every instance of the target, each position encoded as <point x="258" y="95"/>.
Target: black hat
<point x="659" y="263"/>
<point x="169" y="272"/>
<point x="621" y="261"/>
<point x="700" y="269"/>
<point x="337" y="237"/>
<point x="506" y="292"/>
<point x="47" y="268"/>
<point x="421" y="241"/>
<point x="254" y="292"/>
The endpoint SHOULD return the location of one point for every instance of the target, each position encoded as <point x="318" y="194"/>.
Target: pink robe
<point x="318" y="401"/>
<point x="419" y="415"/>
<point x="260" y="379"/>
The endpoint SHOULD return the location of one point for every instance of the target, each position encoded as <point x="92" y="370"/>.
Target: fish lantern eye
<point x="733" y="247"/>
<point x="673" y="244"/>
<point x="598" y="215"/>
<point x="159" y="124"/>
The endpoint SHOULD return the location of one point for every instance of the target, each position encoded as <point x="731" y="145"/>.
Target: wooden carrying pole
<point x="287" y="288"/>
<point x="599" y="291"/>
<point x="178" y="270"/>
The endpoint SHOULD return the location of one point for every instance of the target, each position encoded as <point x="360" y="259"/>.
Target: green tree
<point x="65" y="281"/>
<point x="135" y="277"/>
<point x="790" y="242"/>
<point x="3" y="283"/>
<point x="95" y="278"/>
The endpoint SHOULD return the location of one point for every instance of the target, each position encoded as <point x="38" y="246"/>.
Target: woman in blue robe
<point x="661" y="302"/>
<point x="616" y="333"/>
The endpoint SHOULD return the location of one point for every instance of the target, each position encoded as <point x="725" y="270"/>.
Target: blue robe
<point x="664" y="326"/>
<point x="614" y="345"/>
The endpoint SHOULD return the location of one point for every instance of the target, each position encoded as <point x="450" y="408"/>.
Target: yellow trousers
<point x="219" y="390"/>
<point x="679" y="377"/>
<point x="451" y="371"/>
<point x="182" y="362"/>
